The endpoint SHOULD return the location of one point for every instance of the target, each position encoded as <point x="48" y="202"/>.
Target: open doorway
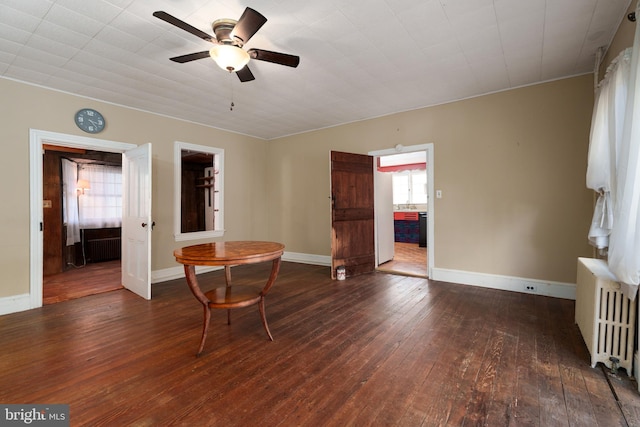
<point x="82" y="217"/>
<point x="136" y="210"/>
<point x="404" y="214"/>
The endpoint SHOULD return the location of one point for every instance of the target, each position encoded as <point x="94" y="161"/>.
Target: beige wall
<point x="511" y="167"/>
<point x="24" y="107"/>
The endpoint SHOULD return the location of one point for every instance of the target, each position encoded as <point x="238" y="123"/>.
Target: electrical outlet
<point x="531" y="288"/>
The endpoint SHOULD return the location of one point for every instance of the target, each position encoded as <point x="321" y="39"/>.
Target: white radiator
<point x="605" y="316"/>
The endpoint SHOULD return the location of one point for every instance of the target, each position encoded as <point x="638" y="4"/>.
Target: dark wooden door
<point x="352" y="213"/>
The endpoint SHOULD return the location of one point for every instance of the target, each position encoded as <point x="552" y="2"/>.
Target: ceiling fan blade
<point x="191" y="57"/>
<point x="245" y="74"/>
<point x="248" y="24"/>
<point x="183" y="25"/>
<point x="275" y="57"/>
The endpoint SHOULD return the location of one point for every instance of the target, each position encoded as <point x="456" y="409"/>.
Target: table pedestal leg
<point x="275" y="268"/>
<point x="227" y="276"/>
<point x="192" y="281"/>
<point x="205" y="328"/>
<point x="264" y="318"/>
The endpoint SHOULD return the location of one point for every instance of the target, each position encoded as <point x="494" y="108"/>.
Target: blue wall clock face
<point x="90" y="120"/>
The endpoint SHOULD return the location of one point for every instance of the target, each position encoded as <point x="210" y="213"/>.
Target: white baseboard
<point x="506" y="283"/>
<point x="177" y="272"/>
<point x="15" y="303"/>
<point x="307" y="258"/>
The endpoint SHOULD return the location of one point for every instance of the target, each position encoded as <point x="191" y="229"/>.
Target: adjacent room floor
<point x="91" y="279"/>
<point x="409" y="259"/>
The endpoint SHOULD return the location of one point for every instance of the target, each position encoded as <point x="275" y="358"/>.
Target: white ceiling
<point x="359" y="58"/>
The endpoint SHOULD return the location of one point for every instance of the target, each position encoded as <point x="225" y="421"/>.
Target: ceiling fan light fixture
<point x="230" y="38"/>
<point x="229" y="57"/>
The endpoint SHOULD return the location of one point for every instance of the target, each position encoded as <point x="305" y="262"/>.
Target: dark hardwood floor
<point x="376" y="349"/>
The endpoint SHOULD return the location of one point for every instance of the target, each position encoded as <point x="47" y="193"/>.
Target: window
<point x="199" y="191"/>
<point x="409" y="187"/>
<point x="100" y="206"/>
<point x="418" y="186"/>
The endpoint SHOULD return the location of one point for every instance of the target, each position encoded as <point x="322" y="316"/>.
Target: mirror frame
<point x="177" y="191"/>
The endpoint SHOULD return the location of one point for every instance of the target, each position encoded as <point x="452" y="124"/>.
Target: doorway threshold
<point x="401" y="273"/>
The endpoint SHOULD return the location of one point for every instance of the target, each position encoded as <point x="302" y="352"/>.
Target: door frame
<point x="428" y="148"/>
<point x="38" y="138"/>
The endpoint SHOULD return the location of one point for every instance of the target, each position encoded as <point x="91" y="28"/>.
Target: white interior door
<point x="136" y="220"/>
<point x="384" y="216"/>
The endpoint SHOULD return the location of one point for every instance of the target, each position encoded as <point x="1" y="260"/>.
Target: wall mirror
<point x="199" y="191"/>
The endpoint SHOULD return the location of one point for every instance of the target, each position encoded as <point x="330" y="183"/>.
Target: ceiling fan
<point x="230" y="37"/>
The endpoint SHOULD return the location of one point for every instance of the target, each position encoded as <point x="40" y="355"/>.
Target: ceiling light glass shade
<point x="229" y="57"/>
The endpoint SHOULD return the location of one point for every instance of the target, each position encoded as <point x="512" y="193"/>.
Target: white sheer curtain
<point x="70" y="201"/>
<point x="614" y="168"/>
<point x="624" y="245"/>
<point x="604" y="146"/>
<point x="101" y="205"/>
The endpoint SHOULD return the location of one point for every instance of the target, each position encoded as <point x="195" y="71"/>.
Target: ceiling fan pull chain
<point x="232" y="92"/>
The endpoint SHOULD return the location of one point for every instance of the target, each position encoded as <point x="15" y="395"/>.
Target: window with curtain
<point x="614" y="167"/>
<point x="605" y="144"/>
<point x="101" y="205"/>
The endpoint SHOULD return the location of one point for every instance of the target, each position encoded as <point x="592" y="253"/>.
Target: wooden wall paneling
<point x="52" y="214"/>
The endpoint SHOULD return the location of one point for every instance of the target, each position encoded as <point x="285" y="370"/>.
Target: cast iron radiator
<point x="105" y="249"/>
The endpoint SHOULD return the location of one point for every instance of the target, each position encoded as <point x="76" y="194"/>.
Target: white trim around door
<point x="428" y="148"/>
<point x="38" y="138"/>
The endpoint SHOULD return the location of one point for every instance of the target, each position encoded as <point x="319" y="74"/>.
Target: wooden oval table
<point x="227" y="297"/>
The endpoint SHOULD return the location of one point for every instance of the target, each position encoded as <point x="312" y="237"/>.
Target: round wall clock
<point x="89" y="120"/>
